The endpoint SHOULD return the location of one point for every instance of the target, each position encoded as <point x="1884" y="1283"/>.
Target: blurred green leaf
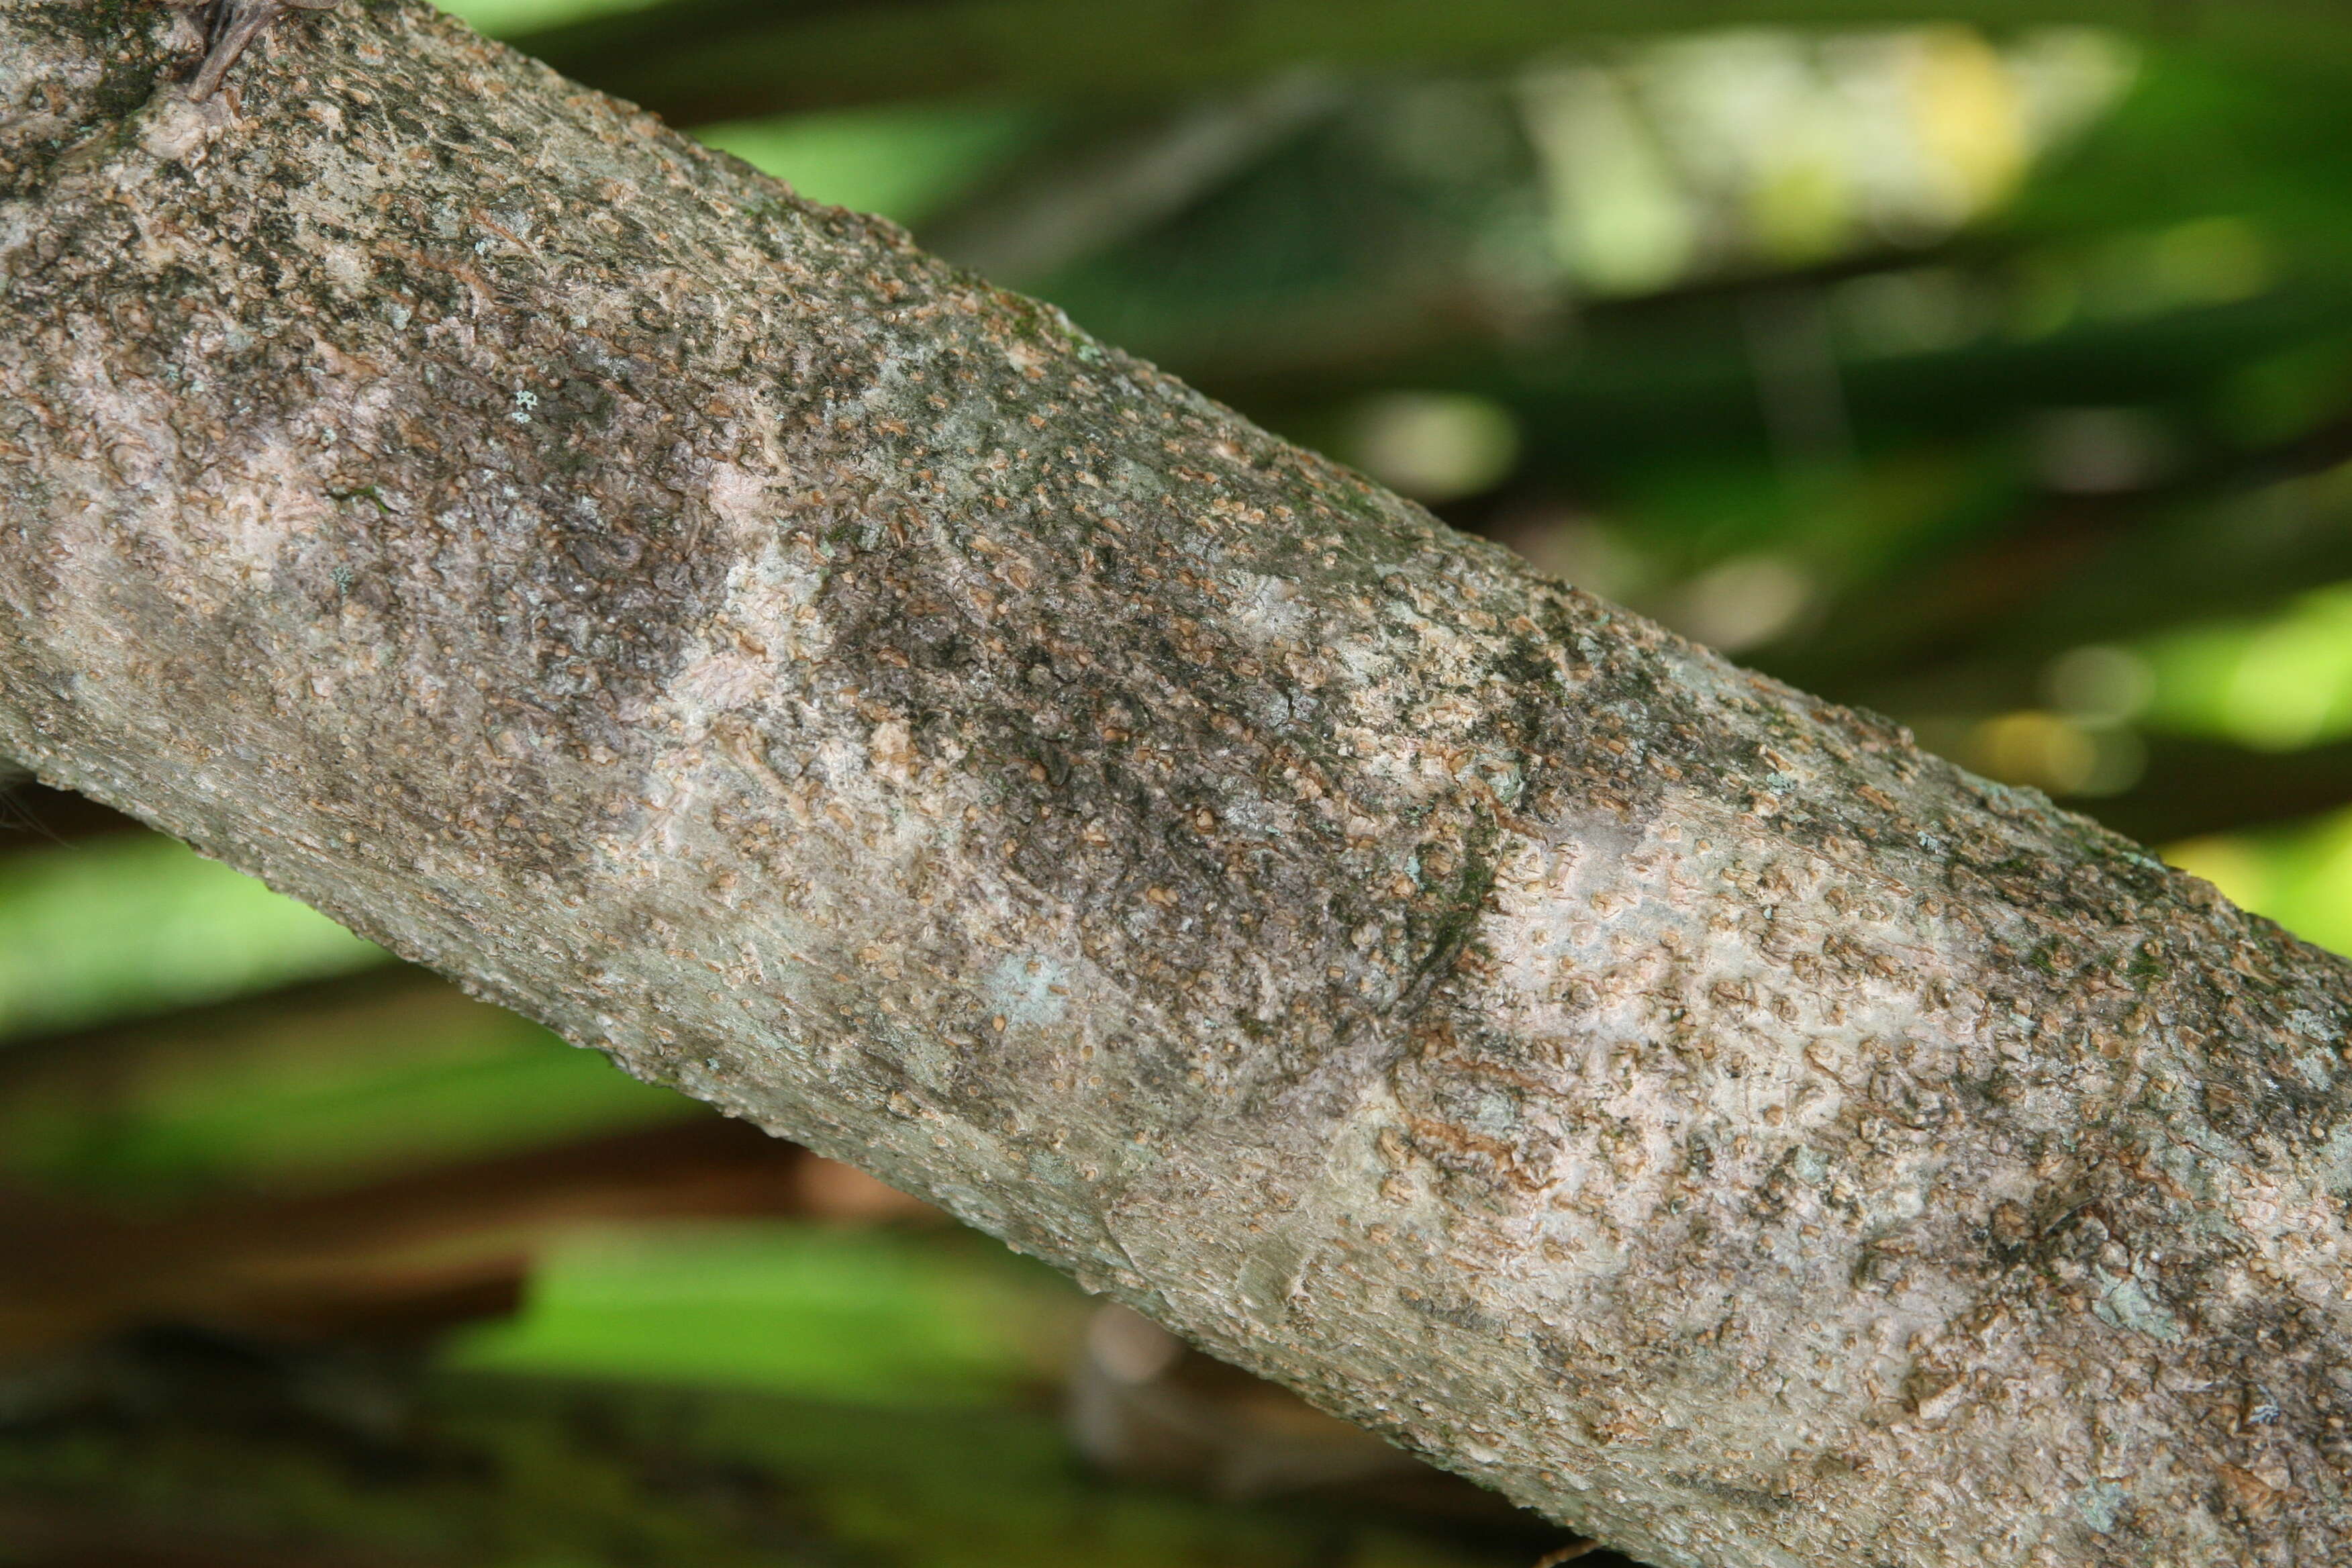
<point x="904" y="164"/>
<point x="857" y="1317"/>
<point x="127" y="924"/>
<point x="2276" y="684"/>
<point x="500" y="17"/>
<point x="2300" y="875"/>
<point x="308" y="1092"/>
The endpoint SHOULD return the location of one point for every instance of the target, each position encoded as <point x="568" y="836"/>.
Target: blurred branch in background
<point x="252" y="1453"/>
<point x="1118" y="186"/>
<point x="693" y="61"/>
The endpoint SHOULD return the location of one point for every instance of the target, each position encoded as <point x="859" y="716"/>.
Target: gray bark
<point x="846" y="692"/>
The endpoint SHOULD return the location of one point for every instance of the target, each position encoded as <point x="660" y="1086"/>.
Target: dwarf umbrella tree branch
<point x="849" y="694"/>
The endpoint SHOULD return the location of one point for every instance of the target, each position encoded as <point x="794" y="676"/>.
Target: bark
<point x="847" y="693"/>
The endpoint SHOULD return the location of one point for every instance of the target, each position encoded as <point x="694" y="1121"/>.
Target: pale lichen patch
<point x="1030" y="991"/>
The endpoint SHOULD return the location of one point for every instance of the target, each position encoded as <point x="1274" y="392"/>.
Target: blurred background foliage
<point x="1988" y="364"/>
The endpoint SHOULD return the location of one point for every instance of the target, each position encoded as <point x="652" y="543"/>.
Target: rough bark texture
<point x="846" y="692"/>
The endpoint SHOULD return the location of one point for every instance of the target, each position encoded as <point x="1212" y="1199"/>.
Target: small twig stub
<point x="231" y="26"/>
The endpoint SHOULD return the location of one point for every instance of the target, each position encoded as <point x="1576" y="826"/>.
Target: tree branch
<point x="846" y="692"/>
